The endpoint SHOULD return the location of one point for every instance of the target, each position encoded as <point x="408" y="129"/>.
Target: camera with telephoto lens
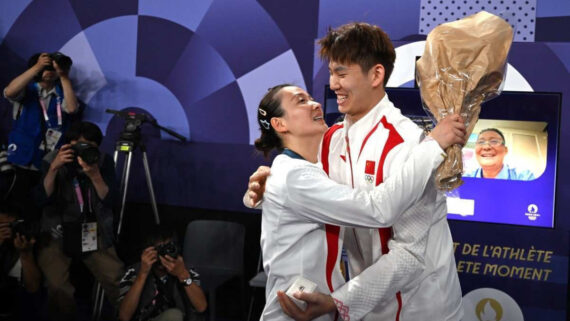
<point x="88" y="153"/>
<point x="169" y="249"/>
<point x="63" y="61"/>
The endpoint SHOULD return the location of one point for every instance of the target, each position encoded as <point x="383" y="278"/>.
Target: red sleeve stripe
<point x="394" y="139"/>
<point x="327" y="144"/>
<point x="332" y="231"/>
<point x="332" y="252"/>
<point x="399" y="298"/>
<point x="385" y="235"/>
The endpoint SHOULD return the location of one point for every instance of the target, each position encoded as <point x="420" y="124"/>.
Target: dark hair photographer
<point x="78" y="191"/>
<point x="20" y="276"/>
<point x="161" y="286"/>
<point x="42" y="98"/>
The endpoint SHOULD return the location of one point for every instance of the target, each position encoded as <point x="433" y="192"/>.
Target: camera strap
<point x="52" y="134"/>
<point x="79" y="195"/>
<point x="88" y="232"/>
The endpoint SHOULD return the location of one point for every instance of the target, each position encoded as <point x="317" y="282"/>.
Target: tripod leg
<point x="96" y="301"/>
<point x="150" y="188"/>
<point x="115" y="157"/>
<point x="125" y="163"/>
<point x="124" y="186"/>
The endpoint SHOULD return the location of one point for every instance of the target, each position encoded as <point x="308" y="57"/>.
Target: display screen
<point x="509" y="159"/>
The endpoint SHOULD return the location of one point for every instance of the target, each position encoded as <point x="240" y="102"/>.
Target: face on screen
<point x="490" y="150"/>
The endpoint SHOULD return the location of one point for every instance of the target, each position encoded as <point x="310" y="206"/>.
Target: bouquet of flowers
<point x="463" y="65"/>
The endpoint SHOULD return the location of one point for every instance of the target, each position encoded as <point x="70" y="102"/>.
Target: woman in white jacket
<point x="304" y="210"/>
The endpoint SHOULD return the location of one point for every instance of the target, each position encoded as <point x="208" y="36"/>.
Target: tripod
<point x="129" y="140"/>
<point x="127" y="147"/>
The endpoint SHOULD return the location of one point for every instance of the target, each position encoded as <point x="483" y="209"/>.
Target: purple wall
<point x="200" y="67"/>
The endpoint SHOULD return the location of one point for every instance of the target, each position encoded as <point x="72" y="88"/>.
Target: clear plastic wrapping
<point x="463" y="65"/>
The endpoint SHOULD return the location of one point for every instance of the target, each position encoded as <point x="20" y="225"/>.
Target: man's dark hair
<point x="89" y="131"/>
<point x="494" y="130"/>
<point x="359" y="43"/>
<point x="158" y="234"/>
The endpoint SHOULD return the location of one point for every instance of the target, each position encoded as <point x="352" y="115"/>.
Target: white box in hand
<point x="301" y="285"/>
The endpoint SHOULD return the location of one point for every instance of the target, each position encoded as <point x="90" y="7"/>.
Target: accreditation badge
<point x="88" y="237"/>
<point x="52" y="138"/>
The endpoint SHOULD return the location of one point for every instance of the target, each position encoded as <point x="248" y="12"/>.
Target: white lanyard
<point x="44" y="109"/>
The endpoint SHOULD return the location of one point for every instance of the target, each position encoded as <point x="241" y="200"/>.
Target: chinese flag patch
<point x="370" y="167"/>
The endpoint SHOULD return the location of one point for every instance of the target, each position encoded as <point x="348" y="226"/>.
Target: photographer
<point x="19" y="277"/>
<point x="42" y="97"/>
<point x="160" y="286"/>
<point x="78" y="191"/>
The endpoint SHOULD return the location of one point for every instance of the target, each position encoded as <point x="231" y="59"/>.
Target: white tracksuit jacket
<point x="303" y="209"/>
<point x="383" y="261"/>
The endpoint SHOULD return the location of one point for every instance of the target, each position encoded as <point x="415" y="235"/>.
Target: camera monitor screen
<point x="509" y="160"/>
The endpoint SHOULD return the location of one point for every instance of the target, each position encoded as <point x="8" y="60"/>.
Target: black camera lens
<point x="169" y="249"/>
<point x="49" y="68"/>
<point x="88" y="153"/>
<point x="63" y="61"/>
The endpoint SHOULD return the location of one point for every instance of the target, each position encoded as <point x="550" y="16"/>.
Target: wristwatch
<point x="187" y="282"/>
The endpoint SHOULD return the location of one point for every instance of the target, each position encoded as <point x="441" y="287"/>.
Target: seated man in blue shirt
<point x="490" y="150"/>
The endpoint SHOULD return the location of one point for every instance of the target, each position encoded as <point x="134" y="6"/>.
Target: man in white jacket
<point x="406" y="272"/>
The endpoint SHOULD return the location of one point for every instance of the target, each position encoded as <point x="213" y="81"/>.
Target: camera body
<point x="169" y="249"/>
<point x="88" y="153"/>
<point x="63" y="61"/>
<point x="23" y="228"/>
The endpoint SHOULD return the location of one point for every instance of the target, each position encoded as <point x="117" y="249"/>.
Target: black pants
<point x="21" y="195"/>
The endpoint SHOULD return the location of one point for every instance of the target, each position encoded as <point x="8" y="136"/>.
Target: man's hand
<point x="60" y="71"/>
<point x="22" y="244"/>
<point x="44" y="60"/>
<point x="92" y="171"/>
<point x="64" y="155"/>
<point x="317" y="305"/>
<point x="5" y="232"/>
<point x="256" y="186"/>
<point x="148" y="257"/>
<point x="175" y="266"/>
<point x="449" y="131"/>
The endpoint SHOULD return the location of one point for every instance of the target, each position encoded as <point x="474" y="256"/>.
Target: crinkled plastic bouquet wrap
<point x="463" y="65"/>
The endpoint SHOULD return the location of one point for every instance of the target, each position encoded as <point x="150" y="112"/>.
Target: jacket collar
<point x="363" y="125"/>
